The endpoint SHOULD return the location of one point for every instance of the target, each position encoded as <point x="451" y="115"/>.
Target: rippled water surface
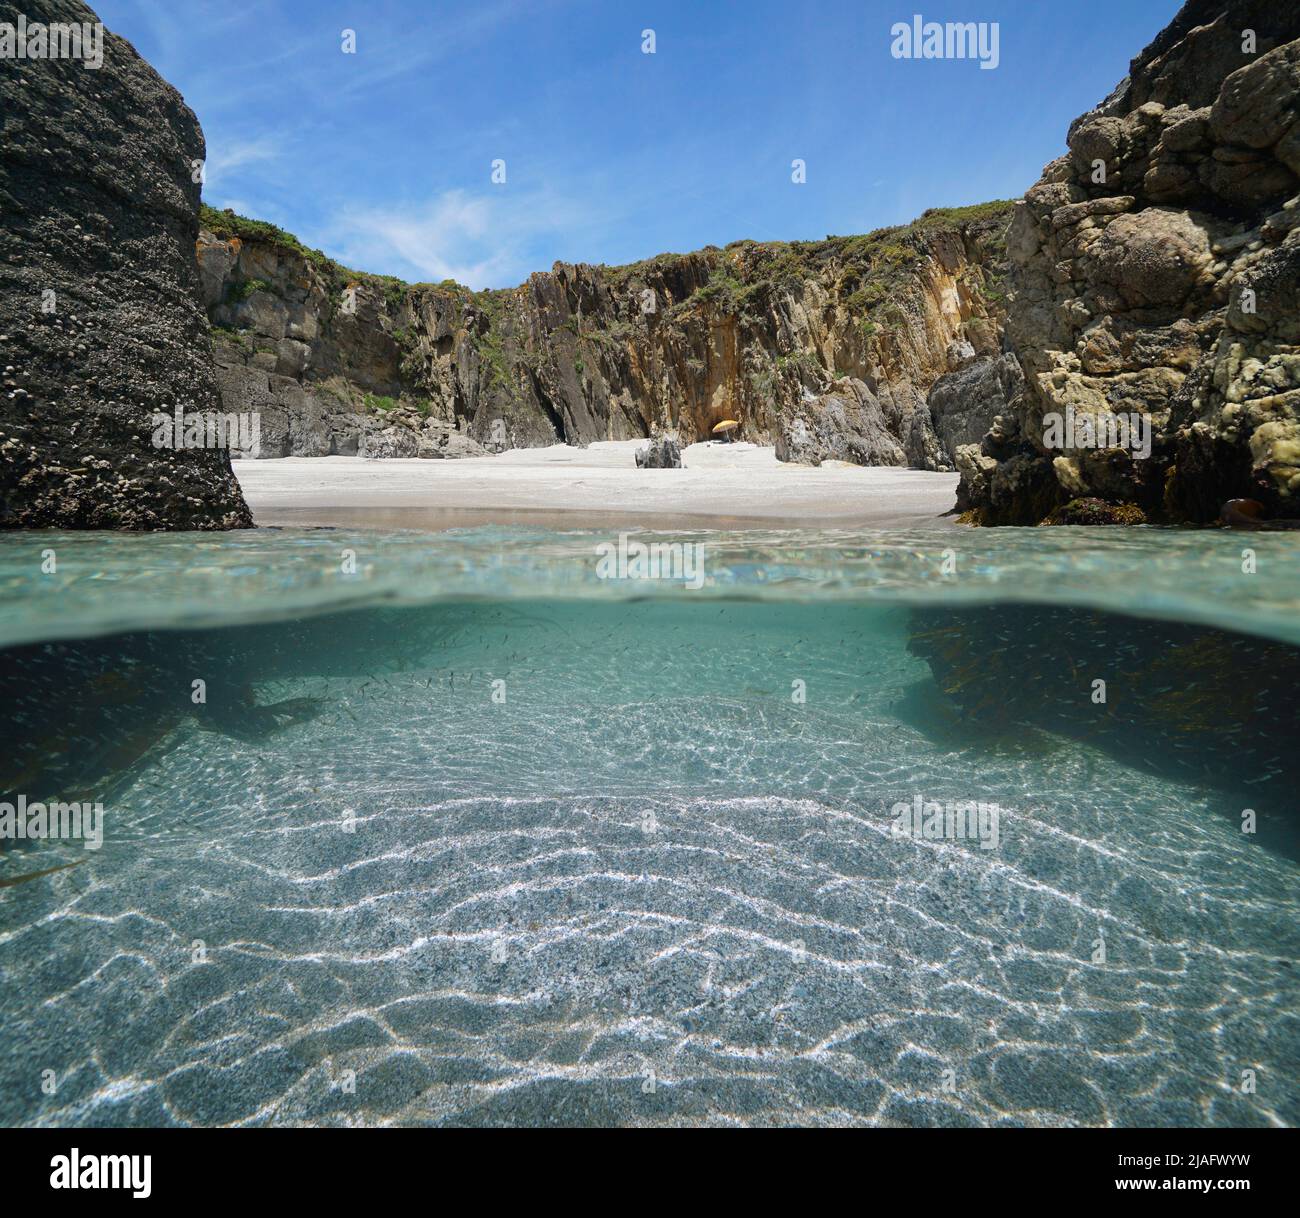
<point x="472" y="836"/>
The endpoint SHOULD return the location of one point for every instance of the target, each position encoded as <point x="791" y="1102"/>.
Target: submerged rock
<point x="101" y="323"/>
<point x="1096" y="511"/>
<point x="1187" y="701"/>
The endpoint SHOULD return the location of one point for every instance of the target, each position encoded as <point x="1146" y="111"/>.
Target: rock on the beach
<point x="662" y="452"/>
<point x="389" y="442"/>
<point x="101" y="322"/>
<point x="439" y="440"/>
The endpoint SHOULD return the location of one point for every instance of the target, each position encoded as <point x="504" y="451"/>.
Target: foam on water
<point x="649" y="886"/>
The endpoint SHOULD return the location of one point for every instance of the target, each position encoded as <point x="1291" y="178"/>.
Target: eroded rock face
<point x="846" y="424"/>
<point x="1154" y="273"/>
<point x="963" y="403"/>
<point x="100" y="319"/>
<point x="584" y="353"/>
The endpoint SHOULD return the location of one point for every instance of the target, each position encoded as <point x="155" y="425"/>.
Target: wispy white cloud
<point x="478" y="239"/>
<point x="418" y="45"/>
<point x="232" y="154"/>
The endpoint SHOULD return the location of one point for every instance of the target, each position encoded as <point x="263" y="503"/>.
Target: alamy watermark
<point x="673" y="560"/>
<point x="951" y="40"/>
<point x="82" y="40"/>
<point x="21" y="821"/>
<point x="132" y="1173"/>
<point x="966" y="820"/>
<point x="1070" y="430"/>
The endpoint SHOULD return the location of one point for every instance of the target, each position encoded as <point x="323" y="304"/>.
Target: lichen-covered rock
<point x="1153" y="275"/>
<point x="1236" y="422"/>
<point x="1152" y="259"/>
<point x="101" y="323"/>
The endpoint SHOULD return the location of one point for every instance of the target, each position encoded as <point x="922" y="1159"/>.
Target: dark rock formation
<point x="663" y="452"/>
<point x="1156" y="272"/>
<point x="100" y="319"/>
<point x="581" y="353"/>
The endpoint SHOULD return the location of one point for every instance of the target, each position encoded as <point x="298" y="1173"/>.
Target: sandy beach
<point x="722" y="485"/>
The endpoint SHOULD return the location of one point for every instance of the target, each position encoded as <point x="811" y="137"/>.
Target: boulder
<point x="662" y="452"/>
<point x="389" y="442"/>
<point x="1153" y="258"/>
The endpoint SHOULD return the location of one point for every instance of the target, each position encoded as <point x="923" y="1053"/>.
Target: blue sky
<point x="383" y="158"/>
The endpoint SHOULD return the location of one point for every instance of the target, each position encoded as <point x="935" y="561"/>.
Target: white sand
<point x="722" y="484"/>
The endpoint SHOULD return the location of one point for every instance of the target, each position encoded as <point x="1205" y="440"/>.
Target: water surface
<point x="465" y="834"/>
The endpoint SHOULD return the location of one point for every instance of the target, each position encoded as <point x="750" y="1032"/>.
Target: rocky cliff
<point x="1155" y="275"/>
<point x="778" y="336"/>
<point x="1129" y="348"/>
<point x="100" y="320"/>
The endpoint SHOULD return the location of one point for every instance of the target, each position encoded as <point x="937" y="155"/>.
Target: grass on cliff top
<point x="896" y="245"/>
<point x="740" y="274"/>
<point x="865" y="266"/>
<point x="931" y="220"/>
<point x="227" y="224"/>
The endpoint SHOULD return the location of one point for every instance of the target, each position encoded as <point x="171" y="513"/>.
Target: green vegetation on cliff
<point x="588" y="349"/>
<point x="740" y="274"/>
<point x="862" y="270"/>
<point x="227" y="224"/>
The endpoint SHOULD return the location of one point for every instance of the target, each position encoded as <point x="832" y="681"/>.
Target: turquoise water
<point x="466" y="834"/>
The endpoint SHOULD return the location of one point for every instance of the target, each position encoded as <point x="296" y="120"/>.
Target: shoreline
<point x="721" y="486"/>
